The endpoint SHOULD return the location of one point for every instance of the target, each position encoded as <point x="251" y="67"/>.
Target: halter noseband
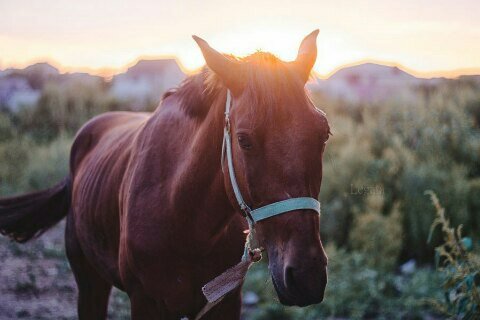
<point x="270" y="210"/>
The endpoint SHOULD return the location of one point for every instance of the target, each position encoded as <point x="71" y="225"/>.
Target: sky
<point x="425" y="37"/>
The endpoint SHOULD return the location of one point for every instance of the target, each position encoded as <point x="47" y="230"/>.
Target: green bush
<point x="48" y="164"/>
<point x="65" y="108"/>
<point x="25" y="166"/>
<point x="14" y="157"/>
<point x="404" y="149"/>
<point x="7" y="129"/>
<point x="378" y="238"/>
<point x="459" y="266"/>
<point x="344" y="170"/>
<point x="354" y="291"/>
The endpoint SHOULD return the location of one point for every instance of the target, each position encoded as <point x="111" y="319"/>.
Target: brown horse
<point x="150" y="211"/>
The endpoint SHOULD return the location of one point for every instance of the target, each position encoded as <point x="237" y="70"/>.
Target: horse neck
<point x="200" y="187"/>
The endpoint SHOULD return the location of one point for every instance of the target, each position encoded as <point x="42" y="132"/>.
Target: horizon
<point x="107" y="72"/>
<point x="429" y="39"/>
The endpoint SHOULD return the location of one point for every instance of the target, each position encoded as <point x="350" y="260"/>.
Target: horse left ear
<point x="307" y="54"/>
<point x="231" y="72"/>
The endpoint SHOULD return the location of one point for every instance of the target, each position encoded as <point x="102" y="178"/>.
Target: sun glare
<point x="333" y="50"/>
<point x="282" y="42"/>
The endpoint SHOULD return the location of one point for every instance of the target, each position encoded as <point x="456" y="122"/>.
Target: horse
<point x="150" y="209"/>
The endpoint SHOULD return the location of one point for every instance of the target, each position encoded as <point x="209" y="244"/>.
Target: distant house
<point x="146" y="81"/>
<point x="142" y="84"/>
<point x="16" y="92"/>
<point x="22" y="87"/>
<point x="367" y="82"/>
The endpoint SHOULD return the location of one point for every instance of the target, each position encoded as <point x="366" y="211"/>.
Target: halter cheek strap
<point x="270" y="210"/>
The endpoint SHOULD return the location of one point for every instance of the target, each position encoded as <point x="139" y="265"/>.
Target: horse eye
<point x="244" y="142"/>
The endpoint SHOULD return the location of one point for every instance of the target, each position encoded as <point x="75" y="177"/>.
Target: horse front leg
<point x="93" y="289"/>
<point x="144" y="307"/>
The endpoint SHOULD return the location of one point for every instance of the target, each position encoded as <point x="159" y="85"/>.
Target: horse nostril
<point x="304" y="286"/>
<point x="289" y="278"/>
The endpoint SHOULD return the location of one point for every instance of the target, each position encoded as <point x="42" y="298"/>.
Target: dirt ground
<point x="36" y="281"/>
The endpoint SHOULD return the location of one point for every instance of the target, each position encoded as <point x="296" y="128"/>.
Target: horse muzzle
<point x="299" y="270"/>
<point x="297" y="286"/>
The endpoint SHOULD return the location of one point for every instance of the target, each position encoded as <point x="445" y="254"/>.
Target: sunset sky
<point x="427" y="37"/>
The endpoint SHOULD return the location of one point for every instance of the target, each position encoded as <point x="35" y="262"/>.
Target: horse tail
<point x="28" y="216"/>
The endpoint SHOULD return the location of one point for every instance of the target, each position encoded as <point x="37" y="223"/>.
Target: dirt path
<point x="36" y="281"/>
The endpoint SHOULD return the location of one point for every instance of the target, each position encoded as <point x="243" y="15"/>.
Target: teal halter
<point x="270" y="210"/>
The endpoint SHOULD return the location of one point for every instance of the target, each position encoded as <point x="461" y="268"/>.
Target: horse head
<point x="278" y="139"/>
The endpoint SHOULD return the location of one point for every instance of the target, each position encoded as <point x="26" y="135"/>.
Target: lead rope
<point x="216" y="289"/>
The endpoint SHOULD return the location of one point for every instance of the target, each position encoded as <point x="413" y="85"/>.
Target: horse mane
<point x="269" y="84"/>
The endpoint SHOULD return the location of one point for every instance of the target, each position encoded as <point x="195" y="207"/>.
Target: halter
<point x="270" y="210"/>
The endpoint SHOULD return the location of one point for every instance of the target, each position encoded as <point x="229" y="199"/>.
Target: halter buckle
<point x="247" y="212"/>
<point x="227" y="122"/>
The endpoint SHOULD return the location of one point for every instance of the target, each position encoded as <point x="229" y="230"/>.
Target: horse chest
<point x="167" y="269"/>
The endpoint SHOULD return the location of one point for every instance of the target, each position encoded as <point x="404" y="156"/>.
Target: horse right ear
<point x="231" y="72"/>
<point x="307" y="54"/>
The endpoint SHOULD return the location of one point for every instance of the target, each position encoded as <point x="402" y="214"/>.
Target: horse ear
<point x="307" y="54"/>
<point x="230" y="71"/>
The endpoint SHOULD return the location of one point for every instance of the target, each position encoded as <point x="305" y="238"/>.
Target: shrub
<point x="432" y="142"/>
<point x="378" y="238"/>
<point x="354" y="291"/>
<point x="64" y="108"/>
<point x="47" y="164"/>
<point x="460" y="267"/>
<point x="7" y="130"/>
<point x="344" y="168"/>
<point x="14" y="156"/>
<point x="25" y="166"/>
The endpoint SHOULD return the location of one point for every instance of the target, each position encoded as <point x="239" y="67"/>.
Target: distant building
<point x="42" y="69"/>
<point x="147" y="80"/>
<point x="367" y="82"/>
<point x="16" y="92"/>
<point x="22" y="87"/>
